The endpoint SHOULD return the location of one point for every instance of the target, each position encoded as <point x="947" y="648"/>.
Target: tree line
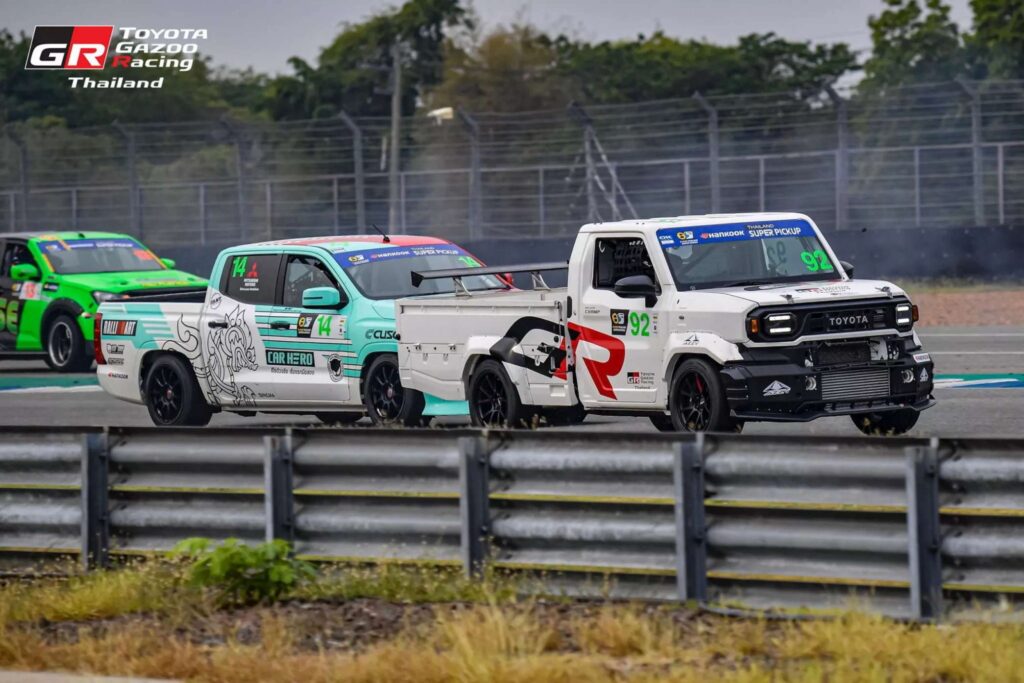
<point x="448" y="60"/>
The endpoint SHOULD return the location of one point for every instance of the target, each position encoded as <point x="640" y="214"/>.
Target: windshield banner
<point x="733" y="232"/>
<point x="64" y="245"/>
<point x="349" y="260"/>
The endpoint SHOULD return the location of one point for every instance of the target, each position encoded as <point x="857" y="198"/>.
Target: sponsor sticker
<point x="922" y="358"/>
<point x="118" y="328"/>
<point x="115" y="361"/>
<point x="29" y="291"/>
<point x="731" y="232"/>
<point x="382" y="335"/>
<point x="115" y="349"/>
<point x="335" y="366"/>
<point x="393" y="253"/>
<point x="691" y="340"/>
<point x="641" y="380"/>
<point x="294" y="358"/>
<point x="304" y="327"/>
<point x="776" y="388"/>
<point x="619" y="318"/>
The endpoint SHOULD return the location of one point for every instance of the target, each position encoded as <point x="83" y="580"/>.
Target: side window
<point x="252" y="278"/>
<point x="14" y="254"/>
<point x="619" y="257"/>
<point x="302" y="273"/>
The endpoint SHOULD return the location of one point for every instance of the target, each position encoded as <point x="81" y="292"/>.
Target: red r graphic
<point x="600" y="371"/>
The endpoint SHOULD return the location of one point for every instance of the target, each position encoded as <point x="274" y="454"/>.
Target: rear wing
<point x="534" y="269"/>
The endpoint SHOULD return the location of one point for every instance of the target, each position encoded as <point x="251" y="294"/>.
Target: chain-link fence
<point x="949" y="154"/>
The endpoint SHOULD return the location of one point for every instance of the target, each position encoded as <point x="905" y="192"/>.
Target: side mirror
<point x="321" y="297"/>
<point x="848" y="267"/>
<point x="636" y="287"/>
<point x="169" y="262"/>
<point x="24" y="272"/>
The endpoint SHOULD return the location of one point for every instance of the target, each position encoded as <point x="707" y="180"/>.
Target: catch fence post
<point x="691" y="526"/>
<point x="713" y="152"/>
<point x="475" y="181"/>
<point x="279" y="503"/>
<point x="95" y="552"/>
<point x="357" y="170"/>
<point x="842" y="159"/>
<point x="134" y="205"/>
<point x="474" y="504"/>
<point x="924" y="533"/>
<point x="977" y="158"/>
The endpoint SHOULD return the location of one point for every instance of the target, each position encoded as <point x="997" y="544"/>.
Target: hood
<point x="812" y="292"/>
<point x="123" y="282"/>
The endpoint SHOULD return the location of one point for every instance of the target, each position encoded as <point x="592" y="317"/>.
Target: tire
<point x="697" y="399"/>
<point x="494" y="400"/>
<point x="66" y="350"/>
<point x="889" y="423"/>
<point x="339" y="418"/>
<point x="565" y="417"/>
<point x="173" y="396"/>
<point x="387" y="402"/>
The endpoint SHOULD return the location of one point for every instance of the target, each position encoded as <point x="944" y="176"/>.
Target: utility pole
<point x="396" y="136"/>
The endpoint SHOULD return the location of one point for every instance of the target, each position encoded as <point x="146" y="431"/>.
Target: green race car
<point x="52" y="282"/>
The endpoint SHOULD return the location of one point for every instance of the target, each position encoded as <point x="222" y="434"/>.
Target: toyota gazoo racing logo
<point x="69" y="47"/>
<point x="88" y="47"/>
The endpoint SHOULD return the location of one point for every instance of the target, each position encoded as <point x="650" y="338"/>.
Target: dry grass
<point x="491" y="641"/>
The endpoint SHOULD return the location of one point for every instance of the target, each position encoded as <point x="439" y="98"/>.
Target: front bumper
<point x="780" y="386"/>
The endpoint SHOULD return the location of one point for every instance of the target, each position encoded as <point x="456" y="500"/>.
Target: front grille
<point x="854" y="385"/>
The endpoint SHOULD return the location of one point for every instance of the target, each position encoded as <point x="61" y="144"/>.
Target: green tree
<point x="911" y="44"/>
<point x="662" y="67"/>
<point x="998" y="39"/>
<point x="509" y="69"/>
<point x="352" y="71"/>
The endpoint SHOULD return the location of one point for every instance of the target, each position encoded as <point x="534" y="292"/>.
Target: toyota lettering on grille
<point x="848" y="321"/>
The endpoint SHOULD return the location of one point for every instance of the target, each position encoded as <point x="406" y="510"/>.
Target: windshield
<point x="73" y="257"/>
<point x="385" y="273"/>
<point x="745" y="254"/>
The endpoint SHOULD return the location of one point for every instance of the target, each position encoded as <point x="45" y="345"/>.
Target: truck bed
<point x="439" y="335"/>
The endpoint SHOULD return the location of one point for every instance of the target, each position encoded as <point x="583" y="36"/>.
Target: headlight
<point x="906" y="314"/>
<point x="100" y="297"/>
<point x="778" y="324"/>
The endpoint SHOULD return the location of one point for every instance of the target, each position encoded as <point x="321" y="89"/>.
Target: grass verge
<point x="418" y="624"/>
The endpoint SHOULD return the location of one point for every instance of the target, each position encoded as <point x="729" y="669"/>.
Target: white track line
<point x="976" y="353"/>
<point x="971" y="334"/>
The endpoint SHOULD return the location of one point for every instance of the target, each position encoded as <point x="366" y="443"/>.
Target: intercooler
<point x="853" y="385"/>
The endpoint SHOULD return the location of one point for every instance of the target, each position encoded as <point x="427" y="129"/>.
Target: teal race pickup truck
<point x="295" y="326"/>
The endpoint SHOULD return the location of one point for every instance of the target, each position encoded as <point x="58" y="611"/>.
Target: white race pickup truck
<point x="700" y="323"/>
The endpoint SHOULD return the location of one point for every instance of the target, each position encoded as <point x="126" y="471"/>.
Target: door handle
<point x="222" y="324"/>
<point x="280" y="325"/>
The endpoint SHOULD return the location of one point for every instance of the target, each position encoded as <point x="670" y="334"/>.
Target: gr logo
<point x="69" y="47"/>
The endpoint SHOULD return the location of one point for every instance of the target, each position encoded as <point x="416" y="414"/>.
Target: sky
<point x="263" y="34"/>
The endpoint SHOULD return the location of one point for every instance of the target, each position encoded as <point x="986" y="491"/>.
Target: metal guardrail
<point x="908" y="527"/>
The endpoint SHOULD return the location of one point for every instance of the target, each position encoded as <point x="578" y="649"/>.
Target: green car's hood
<point x="143" y="279"/>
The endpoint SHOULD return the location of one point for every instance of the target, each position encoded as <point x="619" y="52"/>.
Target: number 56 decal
<point x="9" y="315"/>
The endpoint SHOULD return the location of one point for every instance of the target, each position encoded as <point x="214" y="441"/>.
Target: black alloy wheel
<point x="387" y="402"/>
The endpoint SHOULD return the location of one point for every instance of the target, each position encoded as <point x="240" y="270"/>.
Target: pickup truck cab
<point x="292" y="326"/>
<point x="700" y="323"/>
<point x="52" y="282"/>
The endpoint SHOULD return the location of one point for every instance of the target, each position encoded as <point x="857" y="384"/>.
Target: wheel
<point x="65" y="346"/>
<point x="173" y="396"/>
<point x="387" y="402"/>
<point x="889" y="423"/>
<point x="661" y="422"/>
<point x="494" y="400"/>
<point x="339" y="418"/>
<point x="564" y="417"/>
<point x="697" y="399"/>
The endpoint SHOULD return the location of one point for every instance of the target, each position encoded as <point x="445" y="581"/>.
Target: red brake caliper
<point x="699" y="387"/>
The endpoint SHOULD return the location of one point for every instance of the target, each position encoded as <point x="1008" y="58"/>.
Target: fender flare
<point x="57" y="307"/>
<point x="681" y="345"/>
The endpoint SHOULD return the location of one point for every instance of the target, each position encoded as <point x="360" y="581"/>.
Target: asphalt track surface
<point x="980" y="393"/>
